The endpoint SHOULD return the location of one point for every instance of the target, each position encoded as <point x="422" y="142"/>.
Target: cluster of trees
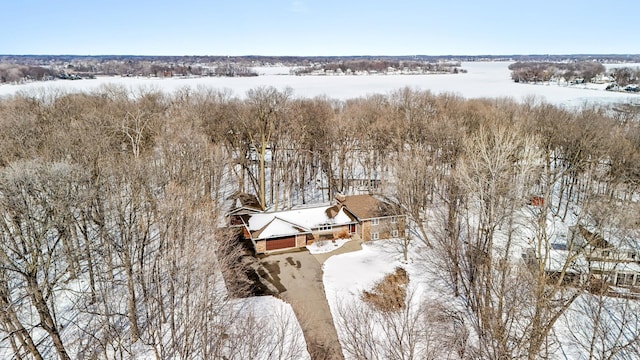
<point x="468" y="169"/>
<point x="109" y="244"/>
<point x="159" y="69"/>
<point x="110" y="202"/>
<point x="625" y="75"/>
<point x="381" y="66"/>
<point x="234" y="70"/>
<point x="545" y="71"/>
<point x="136" y="68"/>
<point x="13" y="73"/>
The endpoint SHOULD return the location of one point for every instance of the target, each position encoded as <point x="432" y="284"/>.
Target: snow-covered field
<point x="484" y="79"/>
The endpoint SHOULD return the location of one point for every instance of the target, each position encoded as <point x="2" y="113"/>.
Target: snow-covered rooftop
<point x="290" y="222"/>
<point x="277" y="228"/>
<point x="607" y="266"/>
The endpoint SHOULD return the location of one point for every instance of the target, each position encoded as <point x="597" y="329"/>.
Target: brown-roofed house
<point x="364" y="216"/>
<point x="377" y="219"/>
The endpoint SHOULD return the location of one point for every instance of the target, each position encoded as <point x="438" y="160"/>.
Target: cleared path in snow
<point x="298" y="275"/>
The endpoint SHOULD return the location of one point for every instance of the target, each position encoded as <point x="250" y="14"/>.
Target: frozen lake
<point x="483" y="79"/>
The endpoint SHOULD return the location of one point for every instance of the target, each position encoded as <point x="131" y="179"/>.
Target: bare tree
<point x="37" y="251"/>
<point x="602" y="327"/>
<point x="265" y="109"/>
<point x="411" y="331"/>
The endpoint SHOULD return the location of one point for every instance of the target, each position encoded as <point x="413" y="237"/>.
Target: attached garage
<point x="282" y="243"/>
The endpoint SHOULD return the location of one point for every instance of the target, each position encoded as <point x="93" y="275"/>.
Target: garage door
<point x="283" y="243"/>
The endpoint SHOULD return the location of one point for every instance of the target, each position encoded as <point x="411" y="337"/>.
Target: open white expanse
<point x="484" y="79"/>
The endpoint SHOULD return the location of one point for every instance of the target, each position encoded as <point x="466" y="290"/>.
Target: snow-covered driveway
<point x="299" y="277"/>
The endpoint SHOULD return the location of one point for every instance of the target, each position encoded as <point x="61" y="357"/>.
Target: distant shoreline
<point x="483" y="80"/>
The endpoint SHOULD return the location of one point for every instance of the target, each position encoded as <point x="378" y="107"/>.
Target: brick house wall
<point x="383" y="228"/>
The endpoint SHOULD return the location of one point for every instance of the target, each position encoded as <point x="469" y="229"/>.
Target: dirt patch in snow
<point x="390" y="293"/>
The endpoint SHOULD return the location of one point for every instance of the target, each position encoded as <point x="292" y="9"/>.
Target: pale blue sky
<point x="309" y="27"/>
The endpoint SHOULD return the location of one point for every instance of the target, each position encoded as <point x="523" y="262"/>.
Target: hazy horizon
<point x="305" y="28"/>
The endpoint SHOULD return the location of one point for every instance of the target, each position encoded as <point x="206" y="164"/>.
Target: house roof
<point x="303" y="219"/>
<point x="368" y="207"/>
<point x="615" y="266"/>
<point x="240" y="204"/>
<point x="616" y="238"/>
<point x="247" y="201"/>
<point x="558" y="260"/>
<point x="278" y="228"/>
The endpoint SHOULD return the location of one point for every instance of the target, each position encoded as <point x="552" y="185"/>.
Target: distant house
<point x="364" y="216"/>
<point x="360" y="185"/>
<point x="561" y="263"/>
<point x="616" y="261"/>
<point x="602" y="79"/>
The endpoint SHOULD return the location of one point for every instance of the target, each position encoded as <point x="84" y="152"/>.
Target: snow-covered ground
<point x="282" y="332"/>
<point x="622" y="65"/>
<point x="347" y="275"/>
<point x="483" y="80"/>
<point x="280" y="335"/>
<point x="322" y="247"/>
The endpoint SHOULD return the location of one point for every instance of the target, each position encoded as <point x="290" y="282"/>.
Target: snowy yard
<point x="323" y="247"/>
<point x="347" y="276"/>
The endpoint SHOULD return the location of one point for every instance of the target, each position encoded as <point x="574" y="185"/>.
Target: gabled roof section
<point x="244" y="200"/>
<point x="278" y="228"/>
<point x="304" y="218"/>
<point x="369" y="207"/>
<point x="242" y="204"/>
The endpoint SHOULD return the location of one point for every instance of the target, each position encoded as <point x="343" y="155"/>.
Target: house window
<point x="394" y="219"/>
<point x="624" y="280"/>
<point x="394" y="233"/>
<point x="325" y="227"/>
<point x="374" y="236"/>
<point x="375" y="221"/>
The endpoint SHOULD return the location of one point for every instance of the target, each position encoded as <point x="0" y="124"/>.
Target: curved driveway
<point x="298" y="276"/>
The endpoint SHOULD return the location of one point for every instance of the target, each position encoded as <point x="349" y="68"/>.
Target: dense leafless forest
<point x="110" y="205"/>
